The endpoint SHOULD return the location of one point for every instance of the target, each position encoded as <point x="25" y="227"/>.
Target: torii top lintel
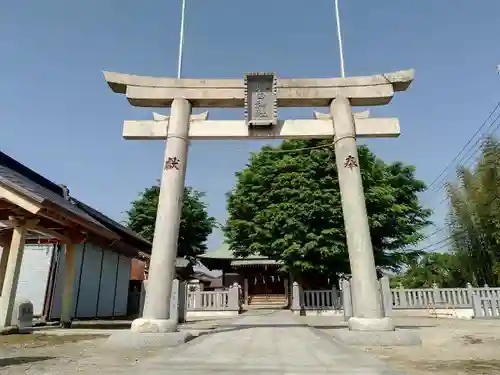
<point x="145" y="91"/>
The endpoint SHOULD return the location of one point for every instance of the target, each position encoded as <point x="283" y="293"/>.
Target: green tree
<point x="443" y="269"/>
<point x="474" y="216"/>
<point x="196" y="224"/>
<point x="286" y="206"/>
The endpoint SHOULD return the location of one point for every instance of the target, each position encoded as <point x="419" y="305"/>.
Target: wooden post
<point x="68" y="286"/>
<point x="12" y="270"/>
<point x="5" y="257"/>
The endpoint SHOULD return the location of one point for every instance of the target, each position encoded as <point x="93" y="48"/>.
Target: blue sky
<point x="58" y="116"/>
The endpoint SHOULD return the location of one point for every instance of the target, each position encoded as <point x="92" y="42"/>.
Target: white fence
<point x="440" y="297"/>
<point x="184" y="303"/>
<point x="486" y="307"/>
<point x="481" y="302"/>
<point x="213" y="301"/>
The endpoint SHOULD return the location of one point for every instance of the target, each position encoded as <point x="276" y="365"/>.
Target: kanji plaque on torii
<point x="260" y="99"/>
<point x="261" y="94"/>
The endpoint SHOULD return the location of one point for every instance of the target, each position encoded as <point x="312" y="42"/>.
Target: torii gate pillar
<point x="156" y="313"/>
<point x="367" y="307"/>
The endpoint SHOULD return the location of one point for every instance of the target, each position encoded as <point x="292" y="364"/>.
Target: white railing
<point x="201" y="300"/>
<point x="321" y="299"/>
<point x="399" y="298"/>
<point x="486" y="307"/>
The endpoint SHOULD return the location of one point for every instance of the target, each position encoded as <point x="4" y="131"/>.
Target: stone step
<point x="268" y="300"/>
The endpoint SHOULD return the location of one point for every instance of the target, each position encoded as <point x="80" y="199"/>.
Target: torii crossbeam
<point x="143" y="91"/>
<point x="261" y="94"/>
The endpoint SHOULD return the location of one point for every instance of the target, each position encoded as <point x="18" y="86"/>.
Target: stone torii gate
<point x="261" y="94"/>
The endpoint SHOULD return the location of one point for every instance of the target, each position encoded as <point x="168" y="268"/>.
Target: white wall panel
<point x="107" y="287"/>
<point x="34" y="274"/>
<point x="101" y="283"/>
<point x="89" y="283"/>
<point x="122" y="285"/>
<point x="55" y="310"/>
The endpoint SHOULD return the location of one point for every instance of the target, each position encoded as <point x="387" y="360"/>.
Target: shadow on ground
<point x="12" y="361"/>
<point x="344" y="326"/>
<point x="238" y="327"/>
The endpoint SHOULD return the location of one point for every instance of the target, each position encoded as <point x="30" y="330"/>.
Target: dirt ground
<point x="23" y="352"/>
<point x="449" y="346"/>
<point x="47" y="351"/>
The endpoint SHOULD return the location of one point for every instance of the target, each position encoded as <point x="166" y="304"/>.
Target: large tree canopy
<point x="286" y="206"/>
<point x="195" y="226"/>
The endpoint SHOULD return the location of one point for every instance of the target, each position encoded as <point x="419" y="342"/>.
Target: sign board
<point x="261" y="104"/>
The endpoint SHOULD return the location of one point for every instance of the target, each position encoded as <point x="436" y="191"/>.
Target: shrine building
<point x="263" y="281"/>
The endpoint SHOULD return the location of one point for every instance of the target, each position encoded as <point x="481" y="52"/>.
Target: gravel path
<point x="264" y="343"/>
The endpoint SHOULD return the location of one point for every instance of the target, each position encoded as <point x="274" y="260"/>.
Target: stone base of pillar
<point x="370" y="324"/>
<point x="143" y="325"/>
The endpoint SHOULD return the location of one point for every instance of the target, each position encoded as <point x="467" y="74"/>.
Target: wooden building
<point x="262" y="280"/>
<point x="71" y="260"/>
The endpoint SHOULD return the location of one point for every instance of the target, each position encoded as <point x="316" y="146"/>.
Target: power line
<point x="297" y="149"/>
<point x="434" y="233"/>
<point x="477" y="149"/>
<point x="452" y="236"/>
<point x="439" y="177"/>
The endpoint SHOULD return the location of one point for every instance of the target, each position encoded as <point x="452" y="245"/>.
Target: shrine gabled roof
<point x="224" y="252"/>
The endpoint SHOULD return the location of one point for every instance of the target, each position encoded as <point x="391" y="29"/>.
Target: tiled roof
<point x="27" y="182"/>
<point x="113" y="225"/>
<point x="223" y="252"/>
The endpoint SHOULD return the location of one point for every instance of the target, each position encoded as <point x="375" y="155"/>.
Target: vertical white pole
<point x="181" y="39"/>
<point x="339" y="36"/>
